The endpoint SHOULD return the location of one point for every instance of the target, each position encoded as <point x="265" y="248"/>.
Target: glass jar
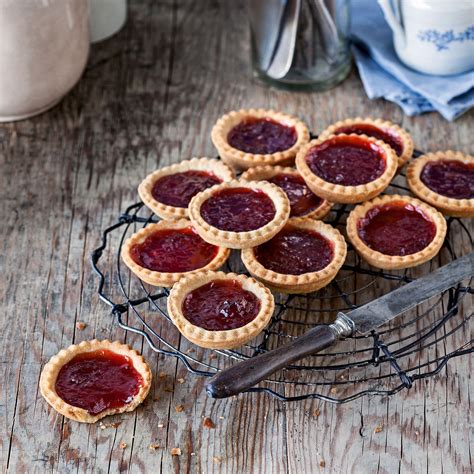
<point x="300" y="44"/>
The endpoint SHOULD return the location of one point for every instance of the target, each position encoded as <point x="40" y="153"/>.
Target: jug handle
<point x="392" y="20"/>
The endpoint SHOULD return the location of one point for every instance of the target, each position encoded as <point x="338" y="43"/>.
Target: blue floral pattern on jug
<point x="441" y="40"/>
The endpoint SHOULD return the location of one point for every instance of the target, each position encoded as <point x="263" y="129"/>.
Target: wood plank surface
<point x="148" y="98"/>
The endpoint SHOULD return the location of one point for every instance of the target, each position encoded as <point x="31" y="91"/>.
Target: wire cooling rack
<point x="415" y="346"/>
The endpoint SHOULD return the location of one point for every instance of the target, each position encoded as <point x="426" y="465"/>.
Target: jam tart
<point x="220" y="310"/>
<point x="396" y="232"/>
<point x="347" y="168"/>
<point x="445" y="180"/>
<point x="168" y="191"/>
<point x="257" y="137"/>
<point x="93" y="379"/>
<point x="239" y="214"/>
<point x="396" y="137"/>
<point x="161" y="254"/>
<point x="304" y="257"/>
<point x="303" y="202"/>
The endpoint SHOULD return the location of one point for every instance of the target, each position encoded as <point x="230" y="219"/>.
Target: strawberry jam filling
<point x="98" y="380"/>
<point x="302" y="200"/>
<point x="347" y="160"/>
<point x="372" y="131"/>
<point x="179" y="188"/>
<point x="450" y="178"/>
<point x="238" y="209"/>
<point x="261" y="136"/>
<point x="395" y="229"/>
<point x="220" y="305"/>
<point x="173" y="250"/>
<point x="295" y="251"/>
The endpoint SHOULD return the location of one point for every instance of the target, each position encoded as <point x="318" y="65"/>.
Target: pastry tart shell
<point x="220" y="169"/>
<point x="342" y="193"/>
<point x="262" y="173"/>
<point x="246" y="239"/>
<point x="242" y="160"/>
<point x="52" y="368"/>
<point x="448" y="206"/>
<point x="226" y="339"/>
<point x="164" y="279"/>
<point x="385" y="125"/>
<point x="392" y="262"/>
<point x="306" y="282"/>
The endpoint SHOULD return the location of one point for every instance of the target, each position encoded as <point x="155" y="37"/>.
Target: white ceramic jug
<point x="43" y="50"/>
<point x="433" y="36"/>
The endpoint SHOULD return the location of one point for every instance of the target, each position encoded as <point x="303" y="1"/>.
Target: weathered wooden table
<point x="149" y="97"/>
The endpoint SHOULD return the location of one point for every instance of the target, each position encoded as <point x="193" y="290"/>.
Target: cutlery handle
<point x="244" y="375"/>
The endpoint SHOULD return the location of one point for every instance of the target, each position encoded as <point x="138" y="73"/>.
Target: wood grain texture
<point x="149" y="97"/>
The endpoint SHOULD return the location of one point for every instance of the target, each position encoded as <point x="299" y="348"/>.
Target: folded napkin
<point x="384" y="75"/>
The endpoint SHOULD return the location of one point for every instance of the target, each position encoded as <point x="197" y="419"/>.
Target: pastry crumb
<point x="193" y="454"/>
<point x="163" y="375"/>
<point x="122" y="445"/>
<point x="217" y="459"/>
<point x="176" y="452"/>
<point x="153" y="446"/>
<point x="378" y="428"/>
<point x="417" y="433"/>
<point x="322" y="463"/>
<point x="168" y="389"/>
<point x="317" y="412"/>
<point x="179" y="408"/>
<point x="191" y="350"/>
<point x="181" y="380"/>
<point x="333" y="390"/>
<point x="221" y="418"/>
<point x="208" y="423"/>
<point x="81" y="325"/>
<point x="160" y="425"/>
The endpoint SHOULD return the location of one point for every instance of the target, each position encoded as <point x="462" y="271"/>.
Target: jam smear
<point x="302" y="199"/>
<point x="295" y="251"/>
<point x="173" y="250"/>
<point x="372" y="131"/>
<point x="238" y="209"/>
<point x="179" y="188"/>
<point x="220" y="305"/>
<point x="98" y="380"/>
<point x="451" y="178"/>
<point x="261" y="136"/>
<point x="395" y="229"/>
<point x="348" y="161"/>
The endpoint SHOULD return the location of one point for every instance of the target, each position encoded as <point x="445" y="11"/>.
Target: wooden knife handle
<point x="244" y="375"/>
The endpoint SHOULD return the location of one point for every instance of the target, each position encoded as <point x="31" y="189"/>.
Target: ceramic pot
<point x="432" y="36"/>
<point x="44" y="47"/>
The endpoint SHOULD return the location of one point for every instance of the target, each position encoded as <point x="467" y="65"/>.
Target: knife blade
<point x="362" y="320"/>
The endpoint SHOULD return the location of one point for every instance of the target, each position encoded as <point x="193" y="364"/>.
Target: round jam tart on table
<point x="304" y="257"/>
<point x="238" y="214"/>
<point x="254" y="137"/>
<point x="445" y="180"/>
<point x="393" y="135"/>
<point x="303" y="202"/>
<point x="162" y="253"/>
<point x="168" y="191"/>
<point x="94" y="379"/>
<point x="220" y="310"/>
<point x="347" y="168"/>
<point x="395" y="232"/>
